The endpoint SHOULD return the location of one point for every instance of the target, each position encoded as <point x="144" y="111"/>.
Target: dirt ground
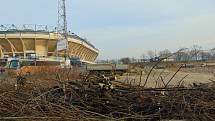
<point x="42" y="80"/>
<point x="185" y="77"/>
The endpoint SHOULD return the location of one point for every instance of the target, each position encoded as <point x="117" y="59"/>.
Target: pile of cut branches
<point x="102" y="98"/>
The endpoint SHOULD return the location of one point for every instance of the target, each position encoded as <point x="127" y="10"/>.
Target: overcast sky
<point x="121" y="28"/>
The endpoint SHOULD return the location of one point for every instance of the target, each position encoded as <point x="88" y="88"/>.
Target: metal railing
<point x="39" y="28"/>
<point x="27" y="28"/>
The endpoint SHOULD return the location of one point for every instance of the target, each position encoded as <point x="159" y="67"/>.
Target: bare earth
<point x="155" y="80"/>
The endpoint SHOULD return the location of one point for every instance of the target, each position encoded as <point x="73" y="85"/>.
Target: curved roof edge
<point x="33" y="28"/>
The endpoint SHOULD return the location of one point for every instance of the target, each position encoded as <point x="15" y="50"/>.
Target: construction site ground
<point x="187" y="75"/>
<point x="141" y="94"/>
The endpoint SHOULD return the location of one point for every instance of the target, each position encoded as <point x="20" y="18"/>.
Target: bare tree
<point x="182" y="54"/>
<point x="194" y="53"/>
<point x="125" y="60"/>
<point x="143" y="57"/>
<point x="204" y="55"/>
<point x="212" y="53"/>
<point x="164" y="53"/>
<point x="151" y="54"/>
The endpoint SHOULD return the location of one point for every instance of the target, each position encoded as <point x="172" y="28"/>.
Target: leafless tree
<point x="165" y="53"/>
<point x="194" y="53"/>
<point x="204" y="55"/>
<point x="125" y="60"/>
<point x="212" y="53"/>
<point x="182" y="54"/>
<point x="151" y="54"/>
<point x="143" y="57"/>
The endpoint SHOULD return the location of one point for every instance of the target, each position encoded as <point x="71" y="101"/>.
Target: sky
<point x="124" y="28"/>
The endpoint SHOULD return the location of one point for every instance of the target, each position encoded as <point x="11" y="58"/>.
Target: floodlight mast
<point x="62" y="24"/>
<point x="62" y="30"/>
<point x="62" y="18"/>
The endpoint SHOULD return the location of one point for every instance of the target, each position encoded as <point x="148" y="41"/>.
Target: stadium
<point x="41" y="41"/>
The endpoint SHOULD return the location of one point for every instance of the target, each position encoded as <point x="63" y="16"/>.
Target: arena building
<point x="41" y="41"/>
